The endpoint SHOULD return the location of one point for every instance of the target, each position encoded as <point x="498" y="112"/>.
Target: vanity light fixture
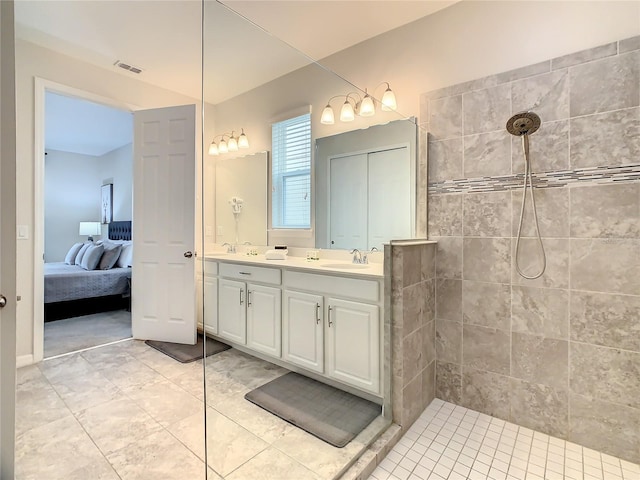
<point x="228" y="143"/>
<point x="364" y="107"/>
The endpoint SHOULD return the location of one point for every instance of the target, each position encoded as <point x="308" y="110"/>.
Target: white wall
<point x="71" y="195"/>
<point x="34" y="61"/>
<point x="468" y="40"/>
<point x="117" y="167"/>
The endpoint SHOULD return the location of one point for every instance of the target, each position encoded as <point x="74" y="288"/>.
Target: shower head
<point x="523" y="123"/>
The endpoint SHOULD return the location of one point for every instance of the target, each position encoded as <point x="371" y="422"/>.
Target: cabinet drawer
<point x="368" y="290"/>
<point x="250" y="273"/>
<point x="210" y="268"/>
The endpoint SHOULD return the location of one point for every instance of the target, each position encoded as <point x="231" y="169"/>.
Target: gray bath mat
<point x="325" y="412"/>
<point x="188" y="353"/>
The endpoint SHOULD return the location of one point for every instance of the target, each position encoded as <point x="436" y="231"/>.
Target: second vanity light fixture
<point x="228" y="143"/>
<point x="363" y="106"/>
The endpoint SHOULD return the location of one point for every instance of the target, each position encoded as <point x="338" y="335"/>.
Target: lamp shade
<point x="232" y="144"/>
<point x="213" y="148"/>
<point x="346" y="113"/>
<point x="243" y="141"/>
<point x="327" y="117"/>
<point x="90" y="228"/>
<point x="389" y="100"/>
<point x="367" y="108"/>
<point x="222" y="148"/>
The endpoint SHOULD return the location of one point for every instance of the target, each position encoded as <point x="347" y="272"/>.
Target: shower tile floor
<point x="449" y="442"/>
<point x="126" y="411"/>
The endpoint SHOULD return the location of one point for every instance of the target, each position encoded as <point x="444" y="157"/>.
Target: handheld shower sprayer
<point x="522" y="125"/>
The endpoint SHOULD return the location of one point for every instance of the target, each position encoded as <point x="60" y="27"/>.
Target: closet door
<point x="348" y="202"/>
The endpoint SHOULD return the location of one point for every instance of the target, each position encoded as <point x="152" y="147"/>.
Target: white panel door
<point x="302" y="330"/>
<point x="232" y="313"/>
<point x="389" y="206"/>
<point x="163" y="277"/>
<point x="353" y="344"/>
<point x="7" y="241"/>
<point x="264" y="326"/>
<point x="210" y="310"/>
<point x="348" y="202"/>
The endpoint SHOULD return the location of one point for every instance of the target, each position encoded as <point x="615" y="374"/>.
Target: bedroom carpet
<point x="332" y="415"/>
<point x="72" y="334"/>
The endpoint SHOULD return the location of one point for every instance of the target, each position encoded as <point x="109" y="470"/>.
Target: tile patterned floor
<point x="126" y="411"/>
<point x="449" y="442"/>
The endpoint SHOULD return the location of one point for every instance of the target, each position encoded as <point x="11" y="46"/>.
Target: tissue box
<point x="275" y="255"/>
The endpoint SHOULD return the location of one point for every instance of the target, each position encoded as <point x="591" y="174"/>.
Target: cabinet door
<point x="302" y="336"/>
<point x="264" y="319"/>
<point x="353" y="343"/>
<point x="210" y="310"/>
<point x="232" y="315"/>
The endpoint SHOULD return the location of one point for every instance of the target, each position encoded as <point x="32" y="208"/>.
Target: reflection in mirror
<point x="241" y="199"/>
<point x="365" y="186"/>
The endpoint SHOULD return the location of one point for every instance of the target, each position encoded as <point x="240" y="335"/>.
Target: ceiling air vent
<point x="126" y="66"/>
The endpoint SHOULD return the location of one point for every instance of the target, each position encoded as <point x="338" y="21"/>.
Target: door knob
<point x="3" y="301"/>
<point x="188" y="254"/>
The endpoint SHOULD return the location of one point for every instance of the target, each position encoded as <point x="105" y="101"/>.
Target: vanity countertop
<point x="333" y="267"/>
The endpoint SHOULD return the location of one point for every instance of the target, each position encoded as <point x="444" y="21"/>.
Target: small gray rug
<point x="188" y="353"/>
<point x="324" y="411"/>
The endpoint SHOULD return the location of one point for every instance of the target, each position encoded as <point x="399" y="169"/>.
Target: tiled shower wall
<point x="560" y="354"/>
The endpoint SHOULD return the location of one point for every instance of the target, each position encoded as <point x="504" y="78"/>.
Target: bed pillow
<point x="126" y="256"/>
<point x="110" y="256"/>
<point x="81" y="253"/>
<point x="70" y="259"/>
<point x="92" y="257"/>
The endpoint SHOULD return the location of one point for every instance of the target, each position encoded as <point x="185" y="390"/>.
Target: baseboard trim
<point x="24" y="360"/>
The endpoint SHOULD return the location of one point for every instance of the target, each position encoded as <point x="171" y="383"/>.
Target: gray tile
<point x="487" y="214"/>
<point x="486" y="392"/>
<point x="524" y="72"/>
<point x="485" y="349"/>
<point x="428" y="258"/>
<point x="38" y="404"/>
<point x="604" y="85"/>
<point x="487" y="154"/>
<point x="448" y="341"/>
<point x="611" y="138"/>
<point x="547" y="95"/>
<point x="413" y="356"/>
<point x="413" y="308"/>
<point x="85" y="391"/>
<point x="605" y="373"/>
<point x="448" y="382"/>
<point x="445" y="117"/>
<point x="412" y="401"/>
<point x="605" y="319"/>
<point x="604" y="426"/>
<point x="429" y="343"/>
<point x="411" y="265"/>
<point x="607" y="265"/>
<point x="540" y="407"/>
<point x="548" y="148"/>
<point x="487" y="259"/>
<point x="445" y="215"/>
<point x="449" y="257"/>
<point x="552" y="206"/>
<point x="445" y="160"/>
<point x="556" y="274"/>
<point x="428" y="384"/>
<point x="540" y="360"/>
<point x="540" y="311"/>
<point x="583" y="56"/>
<point x="478" y="84"/>
<point x="606" y="211"/>
<point x="629" y="44"/>
<point x="272" y="463"/>
<point x="486" y="304"/>
<point x="449" y="300"/>
<point x="486" y="110"/>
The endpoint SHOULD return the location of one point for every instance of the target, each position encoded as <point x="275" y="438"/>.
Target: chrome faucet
<point x="365" y="256"/>
<point x="230" y="248"/>
<point x="357" y="256"/>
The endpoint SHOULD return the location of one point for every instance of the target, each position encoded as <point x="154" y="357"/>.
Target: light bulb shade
<point x="346" y="113"/>
<point x="222" y="148"/>
<point x="90" y="228"/>
<point x="367" y="107"/>
<point x="243" y="141"/>
<point x="213" y="148"/>
<point x="389" y="100"/>
<point x="327" y="117"/>
<point x="232" y="145"/>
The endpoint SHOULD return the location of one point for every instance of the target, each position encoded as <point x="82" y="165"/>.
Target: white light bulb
<point x="222" y="148"/>
<point x="213" y="149"/>
<point x="389" y="100"/>
<point x="243" y="141"/>
<point x="346" y="113"/>
<point x="327" y="116"/>
<point x="367" y="107"/>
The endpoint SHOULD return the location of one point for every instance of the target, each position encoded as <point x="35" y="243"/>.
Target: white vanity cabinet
<point x="249" y="313"/>
<point x="303" y="330"/>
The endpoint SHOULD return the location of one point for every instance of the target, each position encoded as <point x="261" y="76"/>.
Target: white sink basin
<point x="345" y="266"/>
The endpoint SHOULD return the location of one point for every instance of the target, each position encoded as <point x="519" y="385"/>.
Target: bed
<point x="69" y="290"/>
